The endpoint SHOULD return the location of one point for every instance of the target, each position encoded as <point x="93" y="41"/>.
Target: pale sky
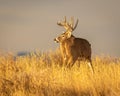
<point x="26" y="25"/>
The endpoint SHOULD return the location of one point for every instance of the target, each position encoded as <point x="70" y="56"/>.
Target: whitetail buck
<point x="73" y="48"/>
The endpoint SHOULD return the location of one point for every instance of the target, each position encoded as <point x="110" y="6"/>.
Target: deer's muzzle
<point x="56" y="40"/>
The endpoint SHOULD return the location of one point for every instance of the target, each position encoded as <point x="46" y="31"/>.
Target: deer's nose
<point x="56" y="40"/>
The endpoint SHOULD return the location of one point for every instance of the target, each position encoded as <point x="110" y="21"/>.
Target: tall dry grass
<point x="41" y="74"/>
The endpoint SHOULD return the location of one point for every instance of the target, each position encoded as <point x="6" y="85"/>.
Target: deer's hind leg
<point x="89" y="62"/>
<point x="71" y="62"/>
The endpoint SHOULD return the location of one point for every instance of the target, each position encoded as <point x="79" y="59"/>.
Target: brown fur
<point x="73" y="48"/>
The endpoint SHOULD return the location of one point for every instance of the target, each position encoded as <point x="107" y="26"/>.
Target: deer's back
<point x="81" y="43"/>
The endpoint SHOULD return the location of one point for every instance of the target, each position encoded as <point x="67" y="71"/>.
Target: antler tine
<point x="65" y="19"/>
<point x="72" y="22"/>
<point x="75" y="25"/>
<point x="61" y="23"/>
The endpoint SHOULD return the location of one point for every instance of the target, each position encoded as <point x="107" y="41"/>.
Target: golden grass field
<point x="40" y="74"/>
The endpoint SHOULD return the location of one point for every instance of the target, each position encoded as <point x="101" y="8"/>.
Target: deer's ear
<point x="69" y="34"/>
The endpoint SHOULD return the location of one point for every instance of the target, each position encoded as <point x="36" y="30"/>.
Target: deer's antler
<point x="76" y="24"/>
<point x="68" y="26"/>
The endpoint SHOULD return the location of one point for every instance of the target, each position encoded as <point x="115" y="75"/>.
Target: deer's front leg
<point x="64" y="60"/>
<point x="63" y="53"/>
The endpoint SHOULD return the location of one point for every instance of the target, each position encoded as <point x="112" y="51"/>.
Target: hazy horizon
<point x="27" y="25"/>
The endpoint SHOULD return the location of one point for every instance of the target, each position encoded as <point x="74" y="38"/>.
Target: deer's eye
<point x="63" y="36"/>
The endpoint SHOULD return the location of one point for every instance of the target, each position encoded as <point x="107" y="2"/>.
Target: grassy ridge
<point x="40" y="74"/>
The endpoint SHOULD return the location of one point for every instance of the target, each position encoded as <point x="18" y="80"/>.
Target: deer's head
<point x="69" y="28"/>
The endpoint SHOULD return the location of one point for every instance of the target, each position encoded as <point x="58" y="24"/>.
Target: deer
<point x="71" y="47"/>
